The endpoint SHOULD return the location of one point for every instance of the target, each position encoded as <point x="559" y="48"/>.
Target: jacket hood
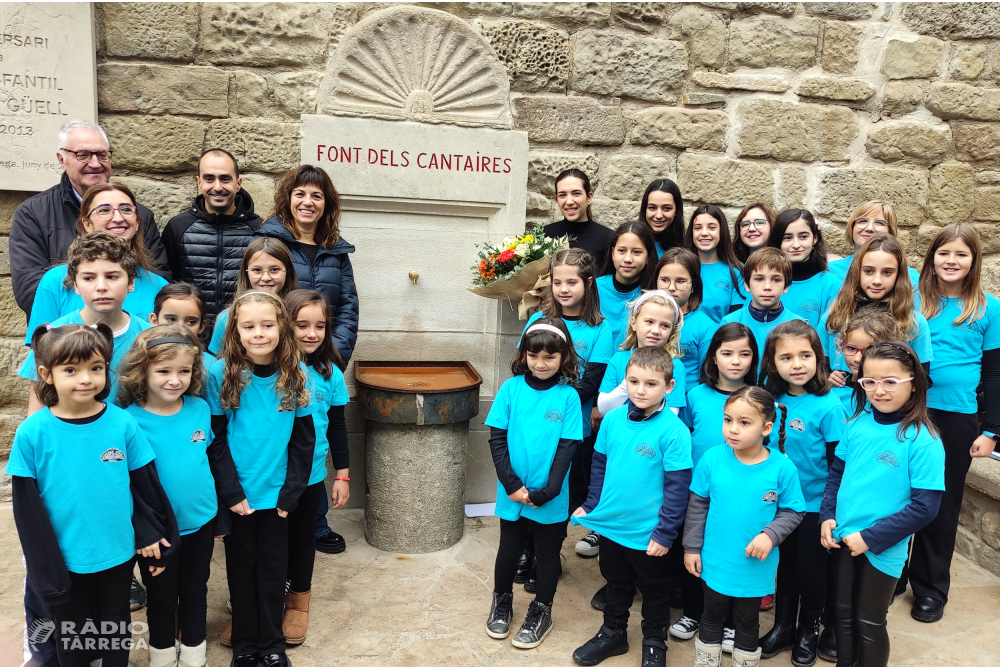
<point x="273" y="227"/>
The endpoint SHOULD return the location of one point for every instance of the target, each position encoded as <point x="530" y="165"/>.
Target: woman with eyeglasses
<point x="307" y="220"/>
<point x="869" y="219"/>
<point x="751" y="229"/>
<point x="108" y="207"/>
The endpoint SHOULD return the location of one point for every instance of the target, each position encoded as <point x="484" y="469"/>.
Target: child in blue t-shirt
<point x="813" y="287"/>
<point x="102" y="270"/>
<point x="261" y="407"/>
<point x="766" y="275"/>
<point x="638" y="495"/>
<point x="632" y="258"/>
<point x="965" y="336"/>
<point x="866" y="327"/>
<point x="183" y="304"/>
<point x="708" y="236"/>
<point x="885" y="484"/>
<point x="535" y="426"/>
<point x="745" y="500"/>
<point x="678" y="273"/>
<point x="310" y="313"/>
<point x="79" y="451"/>
<point x="795" y="372"/>
<point x="160" y="379"/>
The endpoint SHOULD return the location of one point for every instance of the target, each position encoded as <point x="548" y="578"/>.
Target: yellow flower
<point x="527" y="238"/>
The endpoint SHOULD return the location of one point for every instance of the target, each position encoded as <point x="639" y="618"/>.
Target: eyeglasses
<point x="107" y="211"/>
<point x="875" y="224"/>
<point x="85" y="156"/>
<point x="888" y="384"/>
<point x="258" y="273"/>
<point x="757" y="224"/>
<point x="850" y="350"/>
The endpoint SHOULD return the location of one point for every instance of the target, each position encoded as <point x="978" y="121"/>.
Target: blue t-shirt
<point x="53" y="301"/>
<point x="638" y="453"/>
<point x="879" y="473"/>
<point x="615" y="375"/>
<point x="921" y="343"/>
<point x="215" y="345"/>
<point x="840" y="267"/>
<point x="703" y="413"/>
<point x="718" y="294"/>
<point x="535" y="421"/>
<point x="82" y="473"/>
<point x="258" y="433"/>
<point x="845" y="395"/>
<point x="593" y="345"/>
<point x="696" y="336"/>
<point x="614" y="305"/>
<point x="812" y="298"/>
<point x="760" y="329"/>
<point x="958" y="354"/>
<point x="181" y="443"/>
<point x="325" y="393"/>
<point x="812" y="422"/>
<point x="743" y="500"/>
<point x="122" y="344"/>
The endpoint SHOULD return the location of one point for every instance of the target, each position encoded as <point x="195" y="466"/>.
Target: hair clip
<point x="169" y="339"/>
<point x="660" y="293"/>
<point x="545" y="327"/>
<point x="48" y="327"/>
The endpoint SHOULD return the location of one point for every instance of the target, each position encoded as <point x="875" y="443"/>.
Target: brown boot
<point x="296" y="620"/>
<point x="227" y="634"/>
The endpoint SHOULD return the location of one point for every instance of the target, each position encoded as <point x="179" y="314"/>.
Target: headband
<point x="645" y="296"/>
<point x="169" y="339"/>
<point x="270" y="294"/>
<point x="545" y="327"/>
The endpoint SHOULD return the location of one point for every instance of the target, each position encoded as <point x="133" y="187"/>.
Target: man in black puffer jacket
<point x="205" y="244"/>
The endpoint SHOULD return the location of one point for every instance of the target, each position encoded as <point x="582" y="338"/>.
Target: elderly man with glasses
<point x="45" y="225"/>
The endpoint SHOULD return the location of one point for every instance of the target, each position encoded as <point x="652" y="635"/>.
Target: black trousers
<point x="863" y="595"/>
<point x="929" y="569"/>
<point x="548" y="542"/>
<point x="302" y="538"/>
<point x="802" y="565"/>
<point x="627" y="569"/>
<point x="746" y="618"/>
<point x="104" y="597"/>
<point x="181" y="589"/>
<point x="256" y="563"/>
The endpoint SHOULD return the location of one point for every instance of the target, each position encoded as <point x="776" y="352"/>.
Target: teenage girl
<point x="678" y="273"/>
<point x="183" y="304"/>
<point x="573" y="196"/>
<point x="708" y="236"/>
<point x="885" y="484"/>
<point x="796" y="234"/>
<point x="267" y="266"/>
<point x="795" y="372"/>
<point x="158" y="384"/>
<point x="869" y="219"/>
<point x="730" y="364"/>
<point x="106" y="207"/>
<point x="875" y="280"/>
<point x="745" y="500"/>
<point x="310" y="312"/>
<point x="78" y="451"/>
<point x="965" y="334"/>
<point x="629" y="267"/>
<point x="751" y="229"/>
<point x="662" y="208"/>
<point x="261" y="407"/>
<point x="535" y="426"/>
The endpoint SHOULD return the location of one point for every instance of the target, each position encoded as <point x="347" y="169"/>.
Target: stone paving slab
<point x="371" y="608"/>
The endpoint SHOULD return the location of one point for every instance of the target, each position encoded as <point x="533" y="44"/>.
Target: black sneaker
<point x="603" y="645"/>
<point x="331" y="543"/>
<point x="684" y="627"/>
<point x="537" y="624"/>
<point x="498" y="624"/>
<point x="600" y="599"/>
<point x="524" y="564"/>
<point x="252" y="660"/>
<point x="589" y="546"/>
<point x="137" y="596"/>
<point x="654" y="653"/>
<point x="275" y="660"/>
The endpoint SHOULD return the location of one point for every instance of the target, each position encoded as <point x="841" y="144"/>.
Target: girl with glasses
<point x="751" y="229"/>
<point x="868" y="219"/>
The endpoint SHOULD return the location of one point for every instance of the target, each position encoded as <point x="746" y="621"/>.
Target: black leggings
<point x="746" y="618"/>
<point x="579" y="472"/>
<point x="104" y="597"/>
<point x="692" y="595"/>
<point x="548" y="542"/>
<point x="302" y="538"/>
<point x="802" y="565"/>
<point x="181" y="588"/>
<point x="863" y="595"/>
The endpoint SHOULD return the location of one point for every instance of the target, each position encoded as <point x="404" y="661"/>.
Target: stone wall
<point x="979" y="522"/>
<point x="821" y="105"/>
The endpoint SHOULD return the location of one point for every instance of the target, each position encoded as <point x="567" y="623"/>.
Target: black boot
<point x="654" y="645"/>
<point x="782" y="635"/>
<point x="806" y="638"/>
<point x="523" y="565"/>
<point x="606" y="643"/>
<point x="827" y="647"/>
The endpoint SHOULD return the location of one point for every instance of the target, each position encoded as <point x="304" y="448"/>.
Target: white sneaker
<point x="728" y="639"/>
<point x="684" y="628"/>
<point x="589" y="546"/>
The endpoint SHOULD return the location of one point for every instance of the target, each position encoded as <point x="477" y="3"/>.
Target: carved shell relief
<point x="416" y="64"/>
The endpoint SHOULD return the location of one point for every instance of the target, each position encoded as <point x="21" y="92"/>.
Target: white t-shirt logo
<point x="113" y="454"/>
